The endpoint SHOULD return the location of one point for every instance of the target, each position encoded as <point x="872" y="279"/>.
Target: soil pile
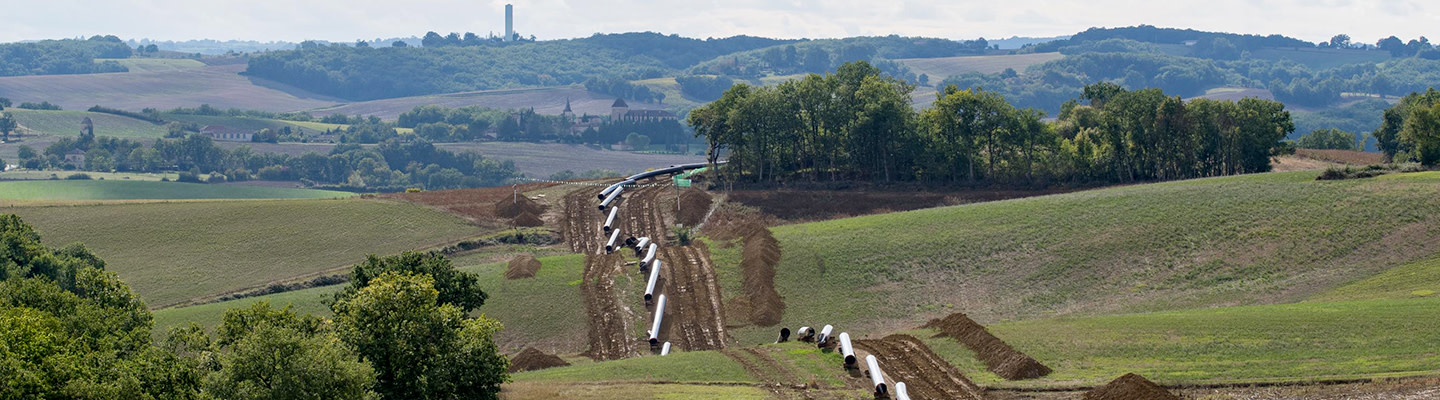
<point x="515" y="206"/>
<point x="531" y="359"/>
<point x="760" y="256"/>
<point x="694" y="204"/>
<point x="1130" y="387"/>
<point x="1002" y="359"/>
<point x="528" y="219"/>
<point x="522" y="266"/>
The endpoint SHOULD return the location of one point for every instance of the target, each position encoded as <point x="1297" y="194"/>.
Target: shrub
<point x="78" y="177"/>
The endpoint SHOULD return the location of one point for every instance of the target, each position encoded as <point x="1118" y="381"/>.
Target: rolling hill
<point x="941" y="68"/>
<point x="67" y="123"/>
<point x="173" y="251"/>
<point x="221" y="86"/>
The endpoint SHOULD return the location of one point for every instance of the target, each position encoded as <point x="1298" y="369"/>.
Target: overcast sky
<point x="347" y="20"/>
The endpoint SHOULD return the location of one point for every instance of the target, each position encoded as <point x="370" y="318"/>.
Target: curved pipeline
<point x="649" y="257"/>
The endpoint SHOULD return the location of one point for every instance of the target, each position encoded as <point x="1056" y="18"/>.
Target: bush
<point x="78" y="177"/>
<point x="44" y="105"/>
<point x="215" y="178"/>
<point x="192" y="176"/>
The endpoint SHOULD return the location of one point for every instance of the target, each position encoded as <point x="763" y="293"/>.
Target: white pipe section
<point x="610" y="222"/>
<point x="655" y="326"/>
<point x="804" y="333"/>
<point x="611" y="198"/>
<point x="877" y="378"/>
<point x="649" y="257"/>
<point x="654" y="277"/>
<point x="665" y="350"/>
<point x="612" y="188"/>
<point x="900" y="393"/>
<point x="610" y="245"/>
<point x="847" y="350"/>
<point x="640" y="245"/>
<point x="824" y="335"/>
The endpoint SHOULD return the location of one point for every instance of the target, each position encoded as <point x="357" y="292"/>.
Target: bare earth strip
<point x="926" y="375"/>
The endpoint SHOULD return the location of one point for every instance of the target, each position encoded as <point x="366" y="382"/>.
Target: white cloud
<point x="340" y="20"/>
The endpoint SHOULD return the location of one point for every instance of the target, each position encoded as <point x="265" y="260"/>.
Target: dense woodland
<point x="857" y="124"/>
<point x="401" y="330"/>
<point x="60" y="57"/>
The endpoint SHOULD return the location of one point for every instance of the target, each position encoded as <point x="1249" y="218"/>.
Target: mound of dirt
<point x="531" y="359"/>
<point x="515" y="206"/>
<point x="1130" y="387"/>
<point x="528" y="219"/>
<point x="694" y="204"/>
<point x="760" y="256"/>
<point x="1002" y="359"/>
<point x="522" y="266"/>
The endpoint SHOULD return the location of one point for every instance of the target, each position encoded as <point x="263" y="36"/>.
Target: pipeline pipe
<point x="900" y="393"/>
<point x="649" y="257"/>
<point x="611" y="188"/>
<point x="665" y="350"/>
<point x="655" y="326"/>
<point x="824" y="335"/>
<point x="611" y="198"/>
<point x="804" y="334"/>
<point x="847" y="350"/>
<point x="654" y="277"/>
<point x="610" y="245"/>
<point x="610" y="222"/>
<point x="640" y="245"/>
<point x="784" y="335"/>
<point x="877" y="378"/>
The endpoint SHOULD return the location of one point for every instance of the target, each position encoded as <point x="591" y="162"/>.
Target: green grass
<point x="1270" y="343"/>
<point x="1255" y="239"/>
<point x="678" y="367"/>
<point x="67" y="123"/>
<point x="18" y="175"/>
<point x="155" y="64"/>
<point x="252" y="124"/>
<point x="940" y="68"/>
<point x="1416" y="279"/>
<point x="149" y="190"/>
<point x="170" y="252"/>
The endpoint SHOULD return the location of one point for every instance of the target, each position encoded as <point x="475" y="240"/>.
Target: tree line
<point x="401" y="330"/>
<point x="1411" y="129"/>
<point x="857" y="124"/>
<point x="67" y="56"/>
<point x="391" y="166"/>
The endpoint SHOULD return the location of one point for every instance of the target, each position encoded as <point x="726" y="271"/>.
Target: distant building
<point x="621" y="112"/>
<point x="76" y="157"/>
<point x="509" y="23"/>
<point x="227" y="134"/>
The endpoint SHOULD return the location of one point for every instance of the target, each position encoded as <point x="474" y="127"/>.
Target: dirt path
<point x="927" y="376"/>
<point x="694" y="295"/>
<point x="581" y="225"/>
<point x="610" y="322"/>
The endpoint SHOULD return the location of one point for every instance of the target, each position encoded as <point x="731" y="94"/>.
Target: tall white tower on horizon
<point x="509" y="22"/>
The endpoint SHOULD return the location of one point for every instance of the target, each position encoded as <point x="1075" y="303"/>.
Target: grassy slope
<point x="1304" y="341"/>
<point x="173" y="251"/>
<point x="1254" y="239"/>
<point x="1416" y="279"/>
<point x="545" y="312"/>
<point x="67" y="123"/>
<point x="253" y="124"/>
<point x="147" y="190"/>
<point x="221" y="86"/>
<point x="155" y="64"/>
<point x="940" y="68"/>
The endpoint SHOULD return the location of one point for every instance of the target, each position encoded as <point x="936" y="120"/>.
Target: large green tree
<point x="421" y="347"/>
<point x="454" y="287"/>
<point x="270" y="353"/>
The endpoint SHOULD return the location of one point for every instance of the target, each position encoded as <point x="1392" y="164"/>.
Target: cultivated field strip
<point x="697" y="319"/>
<point x="927" y="376"/>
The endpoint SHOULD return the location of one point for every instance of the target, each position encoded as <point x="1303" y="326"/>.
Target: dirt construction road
<point x="695" y="311"/>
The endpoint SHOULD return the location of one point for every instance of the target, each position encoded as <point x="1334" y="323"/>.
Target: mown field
<point x="253" y="124"/>
<point x="67" y="123"/>
<point x="940" y="68"/>
<point x="540" y="160"/>
<point x="1256" y="239"/>
<point x="150" y="190"/>
<point x="550" y="100"/>
<point x="155" y="64"/>
<point x="221" y="86"/>
<point x="170" y="252"/>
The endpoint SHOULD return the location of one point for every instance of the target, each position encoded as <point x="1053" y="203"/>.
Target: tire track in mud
<point x="775" y="378"/>
<point x="582" y="226"/>
<point x="698" y="318"/>
<point x="927" y="376"/>
<point x="609" y="320"/>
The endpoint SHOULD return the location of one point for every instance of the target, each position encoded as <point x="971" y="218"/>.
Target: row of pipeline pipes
<point x="642" y="245"/>
<point x="822" y="339"/>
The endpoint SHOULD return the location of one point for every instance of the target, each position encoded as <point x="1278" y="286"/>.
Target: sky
<point x="348" y="20"/>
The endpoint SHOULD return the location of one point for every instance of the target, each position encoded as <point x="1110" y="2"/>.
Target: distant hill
<point x="1016" y="42"/>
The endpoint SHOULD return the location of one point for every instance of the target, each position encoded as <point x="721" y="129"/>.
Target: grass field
<point x="155" y="64"/>
<point x="539" y="160"/>
<point x="150" y="190"/>
<point x="940" y="68"/>
<point x="1412" y="280"/>
<point x="67" y="123"/>
<point x="170" y="252"/>
<point x="30" y="174"/>
<point x="549" y="100"/>
<point x="221" y="86"/>
<point x="252" y="124"/>
<point x="1270" y="343"/>
<point x="1256" y="239"/>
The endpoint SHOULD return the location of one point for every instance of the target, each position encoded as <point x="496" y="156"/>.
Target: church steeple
<point x="567" y="113"/>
